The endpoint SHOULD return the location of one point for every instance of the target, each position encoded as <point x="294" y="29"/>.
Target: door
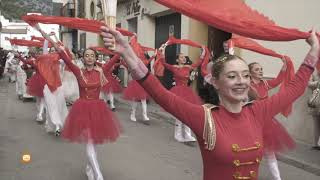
<point x="165" y="26"/>
<point x="216" y="37"/>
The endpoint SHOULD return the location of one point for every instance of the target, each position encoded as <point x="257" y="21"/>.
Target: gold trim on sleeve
<point x="209" y="131"/>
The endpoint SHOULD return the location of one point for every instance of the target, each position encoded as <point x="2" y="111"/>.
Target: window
<point x="92" y="10"/>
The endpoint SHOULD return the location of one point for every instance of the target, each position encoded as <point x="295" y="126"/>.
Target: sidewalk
<point x="301" y="157"/>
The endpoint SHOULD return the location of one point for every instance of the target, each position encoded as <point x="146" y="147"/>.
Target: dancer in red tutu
<point x="181" y="76"/>
<point x="134" y="92"/>
<point x="88" y="121"/>
<point x="230" y="133"/>
<point x="283" y="141"/>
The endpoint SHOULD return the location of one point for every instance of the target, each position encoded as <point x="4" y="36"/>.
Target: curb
<point x="290" y="160"/>
<point x="298" y="163"/>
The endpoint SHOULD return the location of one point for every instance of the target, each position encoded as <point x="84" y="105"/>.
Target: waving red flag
<point x="234" y="16"/>
<point x="74" y="23"/>
<point x="102" y="50"/>
<point x="37" y="38"/>
<point x="173" y="40"/>
<point x="249" y="44"/>
<point x="140" y="50"/>
<point x="48" y="66"/>
<point x="29" y="43"/>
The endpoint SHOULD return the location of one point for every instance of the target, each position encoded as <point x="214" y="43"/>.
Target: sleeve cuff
<point x="139" y="71"/>
<point x="310" y="61"/>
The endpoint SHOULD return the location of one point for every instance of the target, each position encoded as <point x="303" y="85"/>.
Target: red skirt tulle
<point x="134" y="92"/>
<point x="186" y="93"/>
<point x="113" y="86"/>
<point x="276" y="138"/>
<point x="91" y="121"/>
<point x="35" y="85"/>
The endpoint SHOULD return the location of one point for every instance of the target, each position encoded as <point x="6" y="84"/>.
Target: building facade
<point x="153" y="24"/>
<point x="304" y="16"/>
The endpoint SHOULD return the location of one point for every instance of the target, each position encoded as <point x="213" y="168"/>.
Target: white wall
<point x="287" y="13"/>
<point x="294" y="14"/>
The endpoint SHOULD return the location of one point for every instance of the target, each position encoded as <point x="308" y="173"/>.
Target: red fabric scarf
<point x="234" y="16"/>
<point x="102" y="50"/>
<point x="75" y="23"/>
<point x="41" y="39"/>
<point x="29" y="43"/>
<point x="140" y="50"/>
<point x="48" y="66"/>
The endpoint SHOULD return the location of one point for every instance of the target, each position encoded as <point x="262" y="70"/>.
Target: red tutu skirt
<point x="186" y="93"/>
<point x="113" y="85"/>
<point x="91" y="121"/>
<point x="134" y="92"/>
<point x="35" y="85"/>
<point x="276" y="138"/>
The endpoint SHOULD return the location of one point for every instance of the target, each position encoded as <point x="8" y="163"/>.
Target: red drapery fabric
<point x="102" y="50"/>
<point x="29" y="43"/>
<point x="234" y="16"/>
<point x="147" y="48"/>
<point x="173" y="40"/>
<point x="139" y="49"/>
<point x="249" y="44"/>
<point x="75" y="23"/>
<point x="41" y="39"/>
<point x="48" y="66"/>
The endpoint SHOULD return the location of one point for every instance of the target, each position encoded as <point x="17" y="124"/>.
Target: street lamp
<point x="0" y="33"/>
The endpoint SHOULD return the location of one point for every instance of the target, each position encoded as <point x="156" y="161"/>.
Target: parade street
<point x="143" y="152"/>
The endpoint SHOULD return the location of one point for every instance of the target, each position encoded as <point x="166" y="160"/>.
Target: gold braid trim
<point x="209" y="130"/>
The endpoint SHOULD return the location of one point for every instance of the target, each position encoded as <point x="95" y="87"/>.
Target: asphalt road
<point x="141" y="153"/>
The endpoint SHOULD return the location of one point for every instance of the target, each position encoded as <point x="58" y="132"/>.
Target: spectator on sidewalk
<point x="315" y="111"/>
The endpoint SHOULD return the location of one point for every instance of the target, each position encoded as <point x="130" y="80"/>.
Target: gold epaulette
<point x="209" y="130"/>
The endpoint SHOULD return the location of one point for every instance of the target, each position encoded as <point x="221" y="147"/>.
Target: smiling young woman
<point x="230" y="135"/>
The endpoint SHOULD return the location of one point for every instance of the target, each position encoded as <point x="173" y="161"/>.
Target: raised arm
<point x="108" y="66"/>
<point x="166" y="65"/>
<point x="190" y="114"/>
<point x="201" y="58"/>
<point x="64" y="54"/>
<point x="268" y="108"/>
<point x="278" y="80"/>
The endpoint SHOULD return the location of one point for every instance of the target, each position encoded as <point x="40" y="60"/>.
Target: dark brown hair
<point x="251" y="65"/>
<point x="95" y="52"/>
<point x="218" y="64"/>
